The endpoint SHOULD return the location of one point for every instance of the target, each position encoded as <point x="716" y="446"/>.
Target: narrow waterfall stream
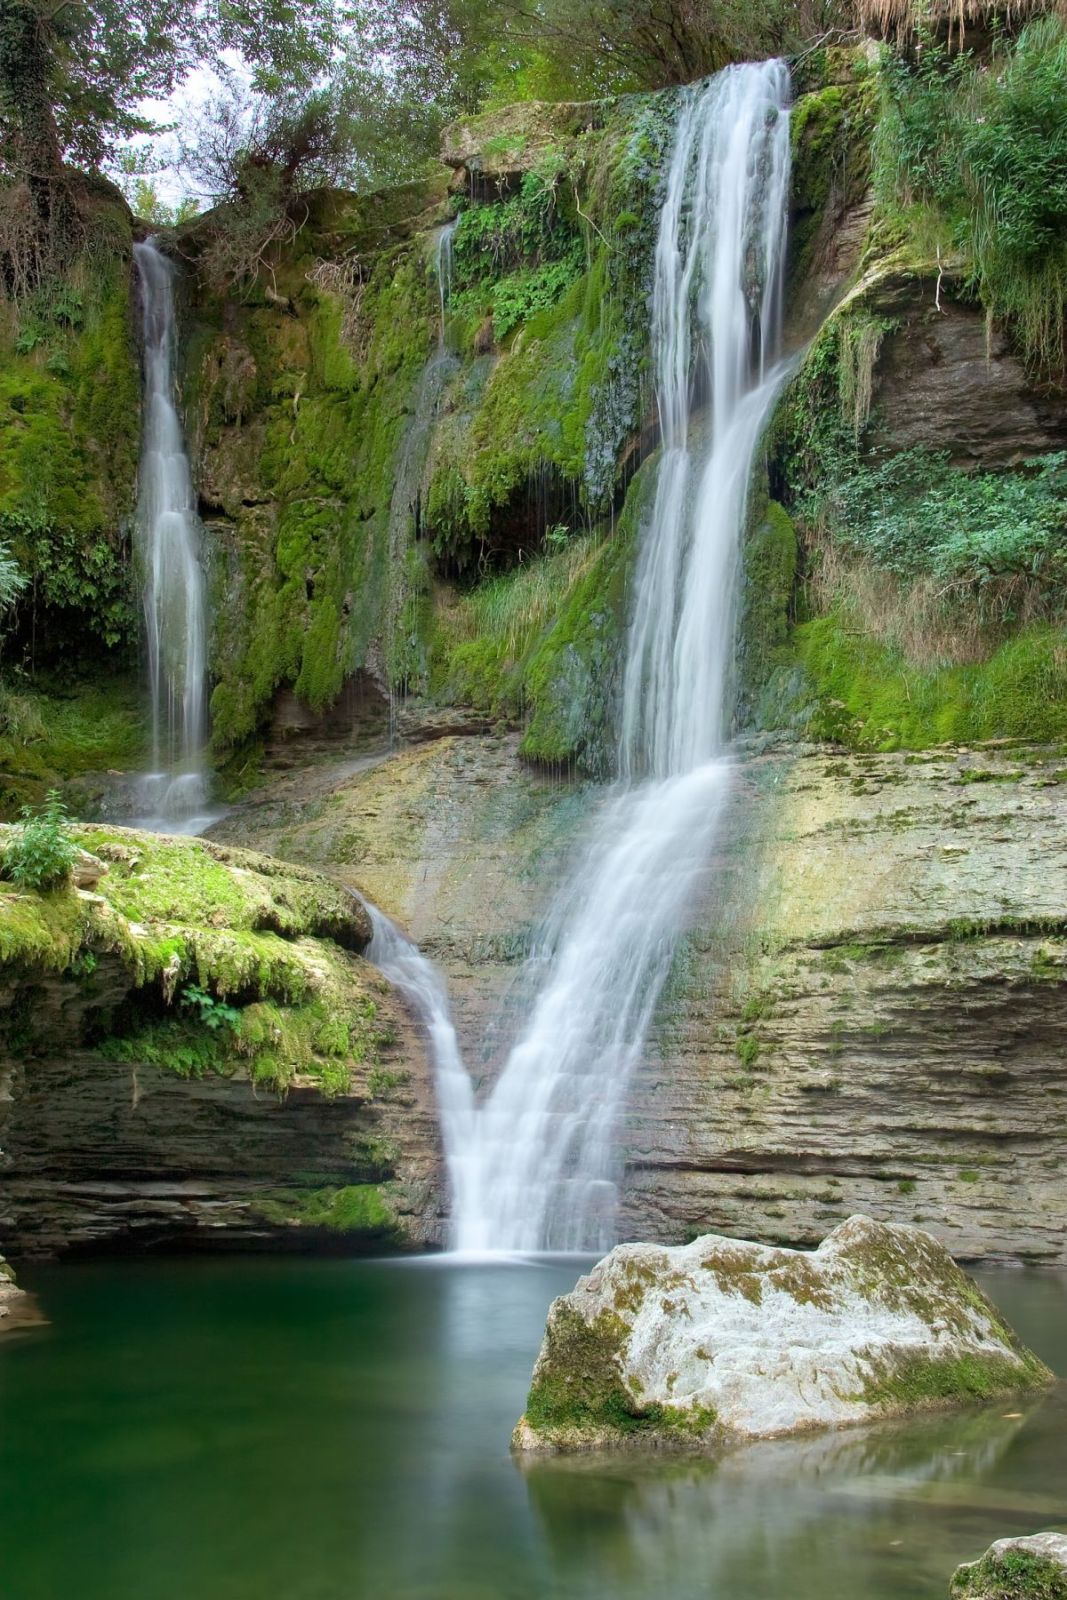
<point x="169" y="536"/>
<point x="443" y="269"/>
<point x="537" y="1161"/>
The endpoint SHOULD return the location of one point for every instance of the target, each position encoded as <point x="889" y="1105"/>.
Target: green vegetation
<point x="918" y="1381"/>
<point x="868" y="696"/>
<point x="69" y="404"/>
<point x="577" y="1393"/>
<point x="1010" y="1575"/>
<point x="519" y="254"/>
<point x="42" y="852"/>
<point x="51" y="736"/>
<point x="975" y="155"/>
<point x="217" y="961"/>
<point x="360" y="1209"/>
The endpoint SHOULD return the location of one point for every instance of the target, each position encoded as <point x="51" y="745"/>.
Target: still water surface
<point x="330" y="1430"/>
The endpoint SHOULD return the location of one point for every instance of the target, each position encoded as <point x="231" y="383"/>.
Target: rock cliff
<point x="867" y="1015"/>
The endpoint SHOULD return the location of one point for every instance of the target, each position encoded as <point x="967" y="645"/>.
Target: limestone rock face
<point x="1031" y="1568"/>
<point x="945" y="382"/>
<point x="867" y="1015"/>
<point x="721" y="1339"/>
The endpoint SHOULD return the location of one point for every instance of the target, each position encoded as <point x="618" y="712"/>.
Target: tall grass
<point x="978" y="148"/>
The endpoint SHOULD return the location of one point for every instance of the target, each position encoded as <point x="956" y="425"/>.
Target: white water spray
<point x="169" y="539"/>
<point x="535" y="1166"/>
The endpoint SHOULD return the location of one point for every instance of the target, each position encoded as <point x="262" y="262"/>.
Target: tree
<point x="460" y="53"/>
<point x="73" y="74"/>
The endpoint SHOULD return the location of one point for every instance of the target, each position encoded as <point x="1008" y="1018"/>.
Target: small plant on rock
<point x="208" y="1010"/>
<point x="43" y="852"/>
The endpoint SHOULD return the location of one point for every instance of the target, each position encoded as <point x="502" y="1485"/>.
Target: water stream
<point x="538" y="1157"/>
<point x="169" y="537"/>
<point x="443" y="269"/>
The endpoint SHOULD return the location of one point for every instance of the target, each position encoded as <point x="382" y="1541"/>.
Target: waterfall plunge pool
<point x="333" y="1430"/>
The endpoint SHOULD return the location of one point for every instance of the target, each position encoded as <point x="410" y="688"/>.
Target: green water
<point x="328" y="1430"/>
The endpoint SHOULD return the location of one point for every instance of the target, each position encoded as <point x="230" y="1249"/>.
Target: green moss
<point x="831" y="129"/>
<point x="577" y="1389"/>
<point x="1010" y="1575"/>
<point x="360" y="1209"/>
<point x="769" y="579"/>
<point x="850" y="689"/>
<point x="69" y="429"/>
<point x="915" y="1380"/>
<point x="52" y="734"/>
<point x="263" y="950"/>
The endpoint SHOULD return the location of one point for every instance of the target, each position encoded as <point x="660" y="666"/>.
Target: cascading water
<point x="169" y="538"/>
<point x="443" y="269"/>
<point x="535" y="1165"/>
<point x="418" y="980"/>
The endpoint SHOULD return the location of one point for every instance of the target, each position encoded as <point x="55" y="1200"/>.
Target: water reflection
<point x="832" y="1514"/>
<point x="339" y="1431"/>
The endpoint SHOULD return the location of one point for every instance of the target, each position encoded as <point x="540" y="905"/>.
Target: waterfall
<point x="443" y="269"/>
<point x="420" y="983"/>
<point x="168" y="530"/>
<point x="538" y="1161"/>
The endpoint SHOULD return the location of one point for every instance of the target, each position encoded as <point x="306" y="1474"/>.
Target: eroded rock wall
<point x="869" y="1015"/>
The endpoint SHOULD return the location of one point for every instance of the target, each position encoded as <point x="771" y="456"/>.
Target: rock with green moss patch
<point x="1030" y="1568"/>
<point x="196" y="1044"/>
<point x="721" y="1339"/>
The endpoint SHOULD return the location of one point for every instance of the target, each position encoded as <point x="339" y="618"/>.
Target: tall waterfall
<point x="169" y="538"/>
<point x="537" y="1161"/>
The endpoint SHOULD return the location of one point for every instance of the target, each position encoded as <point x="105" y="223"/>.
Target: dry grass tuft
<point x="900" y="20"/>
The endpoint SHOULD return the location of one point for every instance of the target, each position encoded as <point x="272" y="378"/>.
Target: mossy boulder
<point x="192" y="1048"/>
<point x="722" y="1340"/>
<point x="194" y="957"/>
<point x="1030" y="1568"/>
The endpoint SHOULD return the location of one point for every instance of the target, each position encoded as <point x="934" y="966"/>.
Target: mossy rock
<point x="634" y="1353"/>
<point x="1033" y="1567"/>
<point x="197" y="958"/>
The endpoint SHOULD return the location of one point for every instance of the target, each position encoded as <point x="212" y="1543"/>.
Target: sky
<point x="188" y="101"/>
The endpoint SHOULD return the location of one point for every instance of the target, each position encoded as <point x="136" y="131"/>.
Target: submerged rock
<point x="1030" y="1568"/>
<point x="721" y="1339"/>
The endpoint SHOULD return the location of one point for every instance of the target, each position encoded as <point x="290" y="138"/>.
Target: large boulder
<point x="722" y="1340"/>
<point x="1030" y="1568"/>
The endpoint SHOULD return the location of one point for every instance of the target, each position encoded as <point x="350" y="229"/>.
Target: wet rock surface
<point x="721" y="1339"/>
<point x="868" y="1014"/>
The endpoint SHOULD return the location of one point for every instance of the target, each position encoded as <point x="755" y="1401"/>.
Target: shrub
<point x="43" y="852"/>
<point x="982" y="149"/>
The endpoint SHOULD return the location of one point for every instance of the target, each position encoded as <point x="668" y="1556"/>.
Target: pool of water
<point x="332" y="1430"/>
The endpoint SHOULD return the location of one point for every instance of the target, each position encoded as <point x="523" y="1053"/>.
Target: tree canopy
<point x="348" y="91"/>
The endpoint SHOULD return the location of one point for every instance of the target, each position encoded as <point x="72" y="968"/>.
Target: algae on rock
<point x="721" y="1339"/>
<point x="204" y="985"/>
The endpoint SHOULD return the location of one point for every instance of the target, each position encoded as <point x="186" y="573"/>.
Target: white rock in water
<point x="1033" y="1567"/>
<point x="11" y="1296"/>
<point x="721" y="1339"/>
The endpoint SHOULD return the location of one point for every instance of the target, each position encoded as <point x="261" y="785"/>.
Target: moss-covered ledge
<point x="191" y="1020"/>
